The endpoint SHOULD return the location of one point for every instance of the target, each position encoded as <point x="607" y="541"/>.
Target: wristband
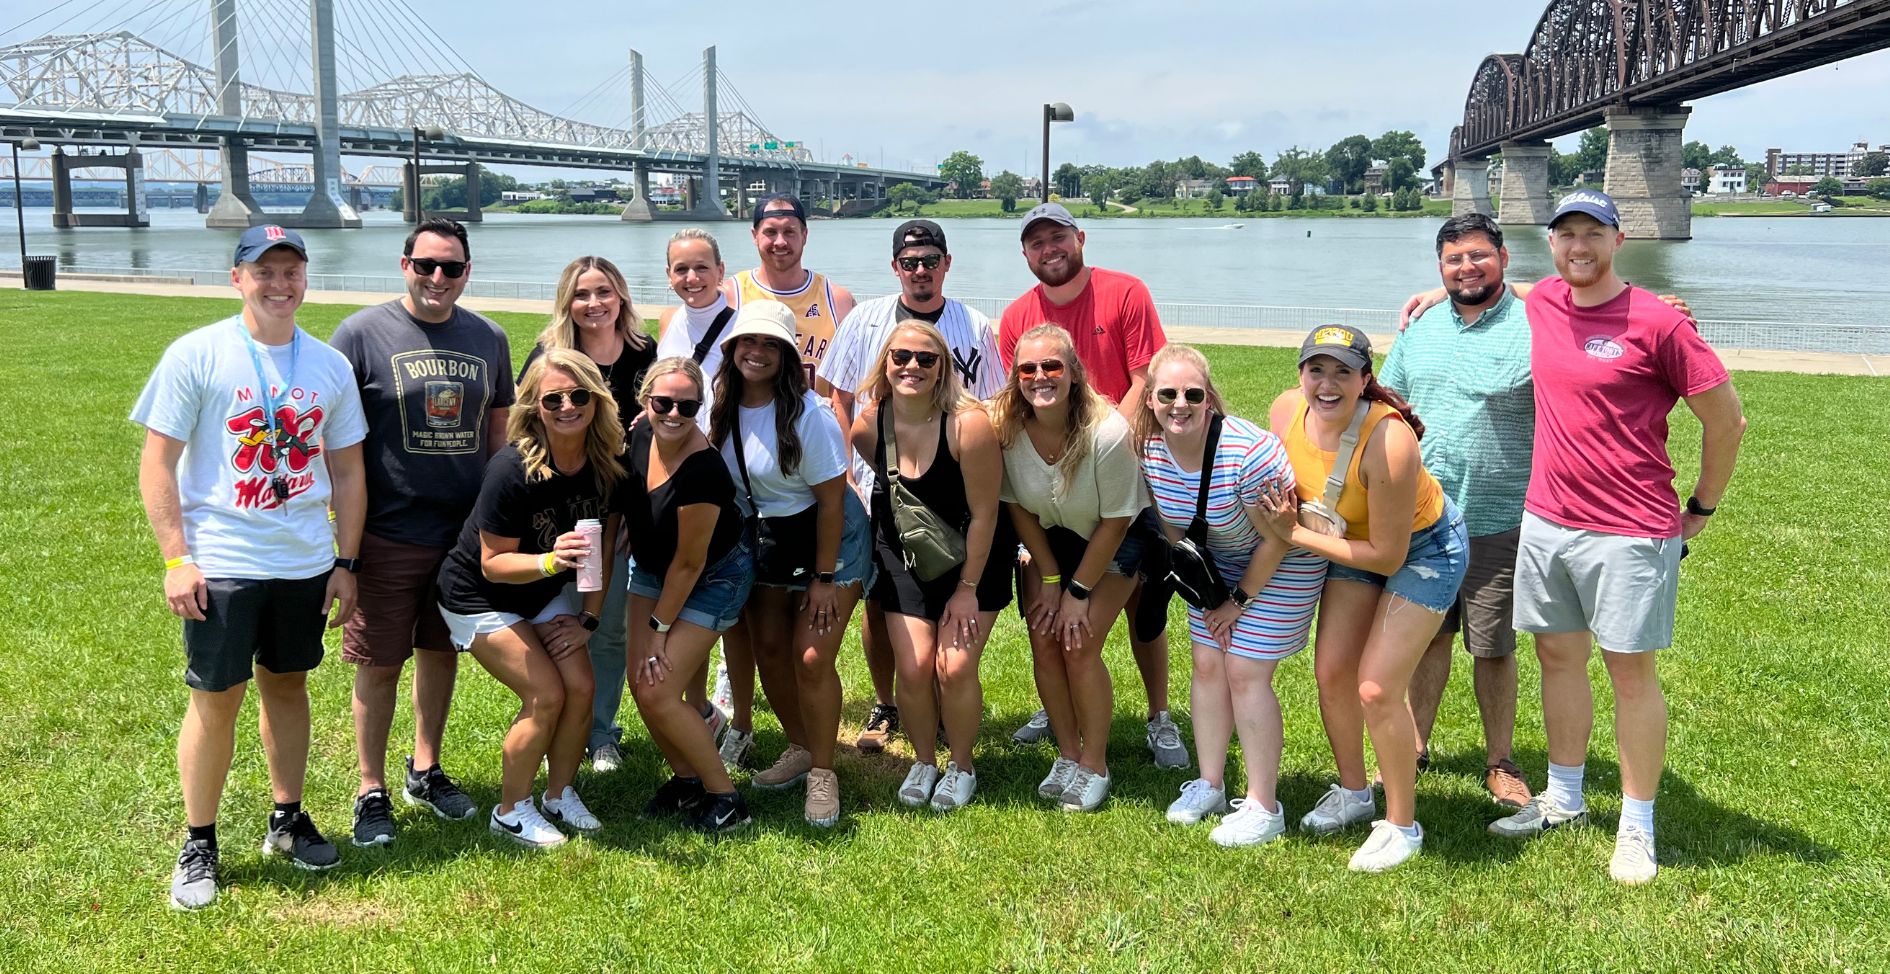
<point x="1697" y="509"/>
<point x="178" y="562"/>
<point x="1053" y="579"/>
<point x="548" y="565"/>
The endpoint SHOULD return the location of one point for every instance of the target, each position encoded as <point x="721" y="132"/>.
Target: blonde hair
<point x="1088" y="408"/>
<point x="1143" y="423"/>
<point x="562" y="331"/>
<point x="948" y="395"/>
<point x="675" y="363"/>
<point x="694" y="233"/>
<point x="603" y="441"/>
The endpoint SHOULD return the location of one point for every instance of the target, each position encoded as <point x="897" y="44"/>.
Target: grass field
<point x="1774" y="838"/>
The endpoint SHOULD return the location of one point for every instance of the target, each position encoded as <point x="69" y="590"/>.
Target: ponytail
<point x="1378" y="393"/>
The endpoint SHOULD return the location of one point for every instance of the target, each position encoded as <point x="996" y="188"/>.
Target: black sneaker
<point x="373" y="819"/>
<point x="720" y="813"/>
<point x="297" y="837"/>
<point x="677" y="796"/>
<point x="433" y="789"/>
<point x="194" y="881"/>
<point x="881" y="725"/>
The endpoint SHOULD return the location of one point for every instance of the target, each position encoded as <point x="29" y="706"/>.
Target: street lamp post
<point x="19" y="204"/>
<point x="419" y="204"/>
<point x="1052" y="112"/>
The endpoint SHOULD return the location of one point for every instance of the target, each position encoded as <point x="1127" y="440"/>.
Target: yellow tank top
<point x="812" y="304"/>
<point x="1311" y="467"/>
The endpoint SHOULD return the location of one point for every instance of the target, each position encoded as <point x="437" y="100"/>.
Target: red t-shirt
<point x="1606" y="377"/>
<point x="1113" y="325"/>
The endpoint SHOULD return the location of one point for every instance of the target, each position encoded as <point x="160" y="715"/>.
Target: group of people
<point x="779" y="455"/>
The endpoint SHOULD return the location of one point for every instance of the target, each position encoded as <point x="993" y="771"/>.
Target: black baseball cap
<point x="780" y="204"/>
<point x="257" y="241"/>
<point x="1342" y="342"/>
<point x="1054" y="212"/>
<point x="918" y="233"/>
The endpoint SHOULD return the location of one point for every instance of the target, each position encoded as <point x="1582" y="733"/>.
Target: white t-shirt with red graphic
<point x="205" y="392"/>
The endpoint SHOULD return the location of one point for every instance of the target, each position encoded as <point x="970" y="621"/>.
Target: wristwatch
<point x="1077" y="590"/>
<point x="589" y="622"/>
<point x="1697" y="509"/>
<point x="1241" y="598"/>
<point x="824" y="578"/>
<point x="351" y="564"/>
<point x="657" y="625"/>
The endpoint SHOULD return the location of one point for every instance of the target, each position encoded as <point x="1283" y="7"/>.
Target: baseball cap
<point x="1342" y="342"/>
<point x="1054" y="212"/>
<point x="918" y="233"/>
<point x="1591" y="202"/>
<point x="780" y="204"/>
<point x="769" y="319"/>
<point x="257" y="240"/>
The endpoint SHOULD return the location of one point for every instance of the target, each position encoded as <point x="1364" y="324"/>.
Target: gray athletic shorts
<point x="1622" y="589"/>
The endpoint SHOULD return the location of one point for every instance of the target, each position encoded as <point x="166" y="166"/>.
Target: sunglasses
<point x="554" y="401"/>
<point x="903" y="356"/>
<point x="929" y="261"/>
<point x="1050" y="367"/>
<point x="661" y="405"/>
<point x="1167" y="397"/>
<point x="425" y="266"/>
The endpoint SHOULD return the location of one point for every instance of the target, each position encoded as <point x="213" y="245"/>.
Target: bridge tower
<point x="235" y="207"/>
<point x="638" y="210"/>
<point x="1645" y="159"/>
<point x="326" y="208"/>
<point x="708" y="202"/>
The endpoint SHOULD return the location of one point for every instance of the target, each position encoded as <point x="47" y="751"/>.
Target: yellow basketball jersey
<point x="812" y="304"/>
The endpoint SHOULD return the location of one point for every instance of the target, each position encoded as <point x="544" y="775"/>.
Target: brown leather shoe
<point x="1506" y="785"/>
<point x="881" y="725"/>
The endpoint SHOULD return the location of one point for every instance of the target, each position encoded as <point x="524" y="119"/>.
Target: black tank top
<point x="941" y="487"/>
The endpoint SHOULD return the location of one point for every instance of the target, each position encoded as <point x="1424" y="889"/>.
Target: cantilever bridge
<point x="325" y="86"/>
<point x="1631" y="64"/>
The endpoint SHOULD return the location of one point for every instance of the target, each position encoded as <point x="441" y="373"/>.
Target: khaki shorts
<point x="1485" y="609"/>
<point x="397" y="605"/>
<point x="1621" y="589"/>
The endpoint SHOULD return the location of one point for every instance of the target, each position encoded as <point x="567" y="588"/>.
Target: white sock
<point x="1363" y="795"/>
<point x="1565" y="787"/>
<point x="1637" y="814"/>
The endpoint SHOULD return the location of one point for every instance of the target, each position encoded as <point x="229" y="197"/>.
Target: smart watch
<point x="1241" y="598"/>
<point x="1077" y="590"/>
<point x="588" y="621"/>
<point x="657" y="625"/>
<point x="351" y="564"/>
<point x="1697" y="509"/>
<point x="824" y="578"/>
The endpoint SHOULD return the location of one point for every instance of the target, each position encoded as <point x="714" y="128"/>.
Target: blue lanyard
<point x="262" y="381"/>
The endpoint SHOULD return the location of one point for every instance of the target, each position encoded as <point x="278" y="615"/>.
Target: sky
<point x="904" y="85"/>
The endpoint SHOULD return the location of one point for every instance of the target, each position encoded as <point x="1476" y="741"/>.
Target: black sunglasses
<point x="931" y="262"/>
<point x="1195" y="397"/>
<point x="661" y="405"/>
<point x="902" y="356"/>
<point x="425" y="266"/>
<point x="554" y="401"/>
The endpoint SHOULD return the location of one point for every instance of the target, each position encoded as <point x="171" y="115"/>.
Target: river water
<point x="1781" y="271"/>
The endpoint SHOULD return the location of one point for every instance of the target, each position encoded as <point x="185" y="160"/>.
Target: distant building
<point x="1819" y="164"/>
<point x="1375" y="177"/>
<point x="1593" y="177"/>
<point x="1242" y="184"/>
<point x="1725" y="180"/>
<point x="519" y="196"/>
<point x="593" y="194"/>
<point x="1192" y="189"/>
<point x="1280" y="186"/>
<point x="1795" y="185"/>
<point x="1690" y="180"/>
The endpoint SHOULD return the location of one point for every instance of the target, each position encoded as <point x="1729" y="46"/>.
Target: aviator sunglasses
<point x="425" y="266"/>
<point x="1167" y="397"/>
<point x="1050" y="367"/>
<point x="554" y="401"/>
<point x="930" y="261"/>
<point x="661" y="405"/>
<point x="902" y="356"/>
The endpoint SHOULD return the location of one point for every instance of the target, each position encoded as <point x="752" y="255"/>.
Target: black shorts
<point x="274" y="622"/>
<point x="898" y="590"/>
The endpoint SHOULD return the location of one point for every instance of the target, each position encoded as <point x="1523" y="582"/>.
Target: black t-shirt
<point x="930" y="317"/>
<point x="624" y="376"/>
<point x="701" y="479"/>
<point x="535" y="513"/>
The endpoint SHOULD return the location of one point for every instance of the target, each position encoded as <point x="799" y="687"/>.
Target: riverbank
<point x="1199" y="209"/>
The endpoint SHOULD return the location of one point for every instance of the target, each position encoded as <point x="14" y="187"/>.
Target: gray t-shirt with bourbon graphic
<point x="426" y="390"/>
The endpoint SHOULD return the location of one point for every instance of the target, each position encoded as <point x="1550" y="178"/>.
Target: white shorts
<point x="464" y="628"/>
<point x="1620" y="588"/>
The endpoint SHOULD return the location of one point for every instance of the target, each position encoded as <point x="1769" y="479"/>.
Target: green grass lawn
<point x="1774" y="837"/>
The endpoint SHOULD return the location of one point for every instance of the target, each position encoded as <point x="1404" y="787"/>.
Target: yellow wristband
<point x="548" y="565"/>
<point x="1053" y="579"/>
<point x="179" y="562"/>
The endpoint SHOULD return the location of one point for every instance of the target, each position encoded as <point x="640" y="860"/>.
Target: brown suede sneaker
<point x="1506" y="785"/>
<point x="881" y="724"/>
<point x="823" y="797"/>
<point x="787" y="770"/>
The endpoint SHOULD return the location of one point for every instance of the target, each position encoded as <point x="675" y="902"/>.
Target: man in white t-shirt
<point x="253" y="433"/>
<point x="920" y="262"/>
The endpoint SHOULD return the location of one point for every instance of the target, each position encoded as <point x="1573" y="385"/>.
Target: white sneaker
<point x="723" y="698"/>
<point x="1337" y="810"/>
<point x="1061" y="770"/>
<point x="1386" y="848"/>
<point x="735" y="748"/>
<point x="1035" y="729"/>
<point x="717" y="721"/>
<point x="525" y="826"/>
<point x="1164" y="742"/>
<point x="1198" y="800"/>
<point x="917" y="789"/>
<point x="1634" y="862"/>
<point x="606" y="758"/>
<point x="1249" y="824"/>
<point x="955" y="789"/>
<point x="1087" y="790"/>
<point x="568" y="809"/>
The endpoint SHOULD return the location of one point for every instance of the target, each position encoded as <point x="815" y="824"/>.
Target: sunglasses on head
<point x="903" y="356"/>
<point x="425" y="266"/>
<point x="929" y="261"/>
<point x="661" y="405"/>
<point x="1050" y="367"/>
<point x="1167" y="397"/>
<point x="554" y="401"/>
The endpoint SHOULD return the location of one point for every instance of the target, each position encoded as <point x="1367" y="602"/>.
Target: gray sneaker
<point x="434" y="790"/>
<point x="606" y="757"/>
<point x="1537" y="817"/>
<point x="194" y="881"/>
<point x="1035" y="729"/>
<point x="1164" y="741"/>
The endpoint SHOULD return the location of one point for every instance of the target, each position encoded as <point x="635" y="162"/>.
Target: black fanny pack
<point x="1186" y="565"/>
<point x="784" y="546"/>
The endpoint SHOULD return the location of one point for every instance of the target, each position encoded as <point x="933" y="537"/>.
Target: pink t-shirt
<point x="1606" y="378"/>
<point x="1112" y="324"/>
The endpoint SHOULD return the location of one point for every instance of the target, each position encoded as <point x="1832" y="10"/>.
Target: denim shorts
<point x="1433" y="567"/>
<point x="721" y="590"/>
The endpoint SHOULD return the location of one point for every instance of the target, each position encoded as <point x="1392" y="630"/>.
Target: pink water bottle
<point x="591" y="574"/>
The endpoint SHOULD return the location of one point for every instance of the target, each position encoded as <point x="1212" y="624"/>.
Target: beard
<point x="1072" y="266"/>
<point x="1583" y="276"/>
<point x="1473" y="296"/>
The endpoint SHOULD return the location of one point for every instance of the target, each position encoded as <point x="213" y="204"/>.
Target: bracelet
<point x="548" y="565"/>
<point x="178" y="562"/>
<point x="1053" y="579"/>
<point x="968" y="582"/>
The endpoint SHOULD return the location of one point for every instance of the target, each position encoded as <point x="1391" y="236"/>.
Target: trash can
<point x="41" y="273"/>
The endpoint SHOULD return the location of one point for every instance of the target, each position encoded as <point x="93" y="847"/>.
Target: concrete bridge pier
<point x="201" y="198"/>
<point x="411" y="190"/>
<point x="135" y="215"/>
<point x="1525" y="196"/>
<point x="1470" y="186"/>
<point x="1644" y="163"/>
<point x="639" y="210"/>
